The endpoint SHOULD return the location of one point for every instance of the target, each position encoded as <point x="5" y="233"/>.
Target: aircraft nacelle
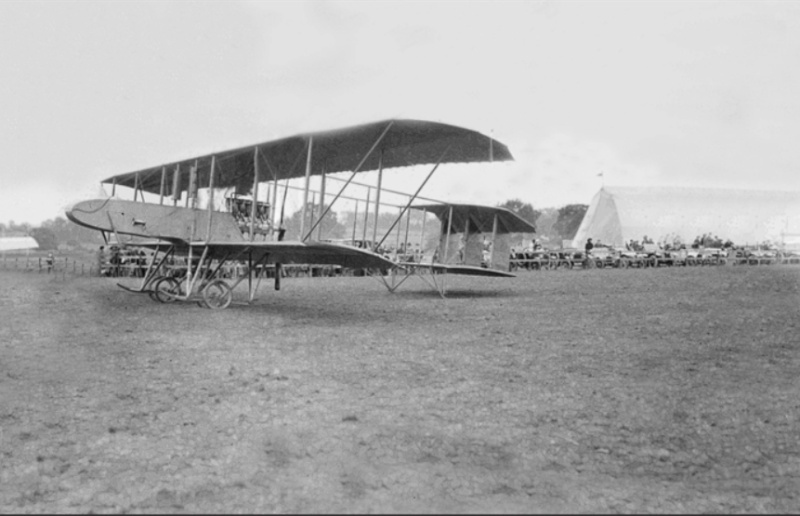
<point x="155" y="220"/>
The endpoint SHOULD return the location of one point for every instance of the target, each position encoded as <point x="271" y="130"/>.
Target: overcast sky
<point x="696" y="94"/>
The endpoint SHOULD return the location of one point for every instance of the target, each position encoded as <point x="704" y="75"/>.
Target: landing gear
<point x="202" y="282"/>
<point x="166" y="290"/>
<point x="217" y="295"/>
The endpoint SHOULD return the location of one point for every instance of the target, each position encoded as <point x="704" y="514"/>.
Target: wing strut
<point x="211" y="198"/>
<point x="413" y="197"/>
<point x="321" y="203"/>
<point x="355" y="221"/>
<point x="176" y="185"/>
<point x="494" y="237"/>
<point x="353" y="175"/>
<point x="422" y="233"/>
<point x="366" y="217"/>
<point x="377" y="204"/>
<point x="447" y="238"/>
<point x="254" y="207"/>
<point x="161" y="187"/>
<point x="305" y="192"/>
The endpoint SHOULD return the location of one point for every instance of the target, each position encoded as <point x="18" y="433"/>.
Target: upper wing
<point x="400" y="143"/>
<point x="481" y="218"/>
<point x="468" y="270"/>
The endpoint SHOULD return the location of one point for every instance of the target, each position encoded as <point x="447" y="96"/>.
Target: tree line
<point x="552" y="224"/>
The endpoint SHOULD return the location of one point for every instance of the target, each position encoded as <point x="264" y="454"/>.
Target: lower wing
<point x="287" y="252"/>
<point x="468" y="270"/>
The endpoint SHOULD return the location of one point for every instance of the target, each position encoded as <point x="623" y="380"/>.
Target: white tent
<point x="17" y="243"/>
<point x="618" y="214"/>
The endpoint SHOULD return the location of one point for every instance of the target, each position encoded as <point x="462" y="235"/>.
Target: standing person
<point x="100" y="260"/>
<point x="115" y="261"/>
<point x="589" y="246"/>
<point x="50" y="260"/>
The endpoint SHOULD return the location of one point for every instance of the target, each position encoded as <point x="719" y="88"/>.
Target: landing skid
<point x="398" y="275"/>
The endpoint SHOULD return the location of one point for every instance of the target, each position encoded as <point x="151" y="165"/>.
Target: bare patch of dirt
<point x="666" y="390"/>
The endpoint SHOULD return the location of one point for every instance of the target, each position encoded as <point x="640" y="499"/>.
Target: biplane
<point x="245" y="229"/>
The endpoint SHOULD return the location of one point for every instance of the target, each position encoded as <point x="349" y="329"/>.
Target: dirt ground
<point x="657" y="390"/>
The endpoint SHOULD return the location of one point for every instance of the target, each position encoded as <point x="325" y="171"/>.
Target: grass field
<point x="656" y="390"/>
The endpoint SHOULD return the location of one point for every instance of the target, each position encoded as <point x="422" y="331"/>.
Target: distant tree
<point x="45" y="238"/>
<point x="523" y="209"/>
<point x="331" y="227"/>
<point x="71" y="233"/>
<point x="544" y="225"/>
<point x="23" y="227"/>
<point x="415" y="230"/>
<point x="569" y="219"/>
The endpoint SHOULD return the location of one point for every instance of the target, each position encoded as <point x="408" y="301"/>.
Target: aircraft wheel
<point x="166" y="289"/>
<point x="151" y="287"/>
<point x="217" y="295"/>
